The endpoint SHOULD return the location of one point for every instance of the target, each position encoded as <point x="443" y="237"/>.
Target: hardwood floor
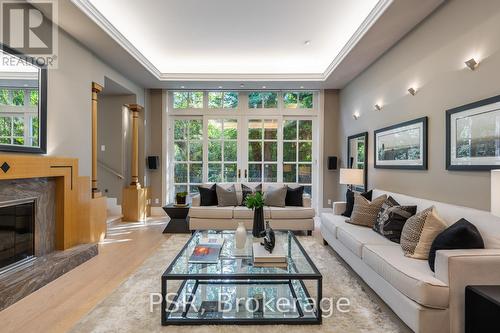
<point x="59" y="305"/>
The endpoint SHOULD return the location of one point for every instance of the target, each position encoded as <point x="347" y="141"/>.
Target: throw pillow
<point x="275" y="196"/>
<point x="419" y="232"/>
<point x="226" y="196"/>
<point x="208" y="195"/>
<point x="365" y="212"/>
<point x="349" y="199"/>
<point x="460" y="235"/>
<point x="246" y="190"/>
<point x="294" y="196"/>
<point x="391" y="219"/>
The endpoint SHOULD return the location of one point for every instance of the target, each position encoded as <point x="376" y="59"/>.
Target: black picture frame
<point x="424" y="165"/>
<point x="364" y="135"/>
<point x="463" y="108"/>
<point x="42" y="110"/>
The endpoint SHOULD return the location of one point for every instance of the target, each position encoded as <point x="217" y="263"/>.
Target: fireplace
<point x="17" y="232"/>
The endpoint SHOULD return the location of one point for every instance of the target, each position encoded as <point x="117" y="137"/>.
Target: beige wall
<point x="432" y="58"/>
<point x="330" y="145"/>
<point x="156" y="140"/>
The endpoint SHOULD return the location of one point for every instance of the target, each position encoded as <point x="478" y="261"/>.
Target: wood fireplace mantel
<point x="78" y="218"/>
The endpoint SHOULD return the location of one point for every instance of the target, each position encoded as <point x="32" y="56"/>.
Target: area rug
<point x="127" y="309"/>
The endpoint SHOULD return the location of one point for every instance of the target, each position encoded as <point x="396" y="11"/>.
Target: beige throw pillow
<point x="365" y="212"/>
<point x="419" y="232"/>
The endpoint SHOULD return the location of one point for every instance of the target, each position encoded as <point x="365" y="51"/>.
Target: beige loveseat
<point x="227" y="218"/>
<point x="425" y="301"/>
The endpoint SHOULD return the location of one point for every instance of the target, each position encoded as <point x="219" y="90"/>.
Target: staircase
<point x="114" y="210"/>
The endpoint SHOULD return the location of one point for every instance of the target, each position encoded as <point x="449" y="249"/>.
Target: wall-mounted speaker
<point x="153" y="162"/>
<point x="332" y="162"/>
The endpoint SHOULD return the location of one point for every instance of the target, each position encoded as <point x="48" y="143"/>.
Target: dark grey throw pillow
<point x="208" y="195"/>
<point x="391" y="219"/>
<point x="460" y="235"/>
<point x="226" y="197"/>
<point x="275" y="196"/>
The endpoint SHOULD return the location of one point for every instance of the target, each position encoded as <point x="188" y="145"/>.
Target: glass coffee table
<point x="235" y="292"/>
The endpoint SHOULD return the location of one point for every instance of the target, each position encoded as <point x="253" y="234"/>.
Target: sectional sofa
<point x="425" y="301"/>
<point x="226" y="218"/>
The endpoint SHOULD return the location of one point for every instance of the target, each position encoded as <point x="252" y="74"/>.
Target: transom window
<point x="301" y="100"/>
<point x="222" y="99"/>
<point x="188" y="99"/>
<point x="262" y="100"/>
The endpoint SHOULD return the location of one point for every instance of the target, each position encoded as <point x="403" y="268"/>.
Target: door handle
<point x="239" y="173"/>
<point x="245" y="173"/>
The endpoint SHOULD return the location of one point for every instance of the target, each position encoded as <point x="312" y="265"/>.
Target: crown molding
<point x="88" y="9"/>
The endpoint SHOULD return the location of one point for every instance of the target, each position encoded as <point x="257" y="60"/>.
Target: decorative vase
<point x="258" y="221"/>
<point x="240" y="236"/>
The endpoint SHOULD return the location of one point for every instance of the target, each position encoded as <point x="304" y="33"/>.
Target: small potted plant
<point x="180" y="198"/>
<point x="255" y="201"/>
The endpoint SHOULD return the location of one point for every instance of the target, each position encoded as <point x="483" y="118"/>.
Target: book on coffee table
<point x="261" y="255"/>
<point x="205" y="254"/>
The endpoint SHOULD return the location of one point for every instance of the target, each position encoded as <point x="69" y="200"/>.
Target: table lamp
<point x="495" y="192"/>
<point x="352" y="177"/>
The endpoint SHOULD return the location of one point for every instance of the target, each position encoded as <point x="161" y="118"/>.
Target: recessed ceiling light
<point x="182" y="87"/>
<point x="220" y="87"/>
<point x="301" y="87"/>
<point x="307" y="42"/>
<point x="263" y="87"/>
<point x="242" y="85"/>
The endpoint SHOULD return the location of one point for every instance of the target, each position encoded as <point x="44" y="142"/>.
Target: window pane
<point x="255" y="151"/>
<point x="254" y="100"/>
<point x="34" y="97"/>
<point x="195" y="129"/>
<point x="180" y="173"/>
<point x="35" y="125"/>
<point x="270" y="151"/>
<point x="18" y="126"/>
<point x="289" y="173"/>
<point x="254" y="172"/>
<point x="230" y="99"/>
<point x="290" y="100"/>
<point x="290" y="130"/>
<point x="255" y="129"/>
<point x="18" y="97"/>
<point x="195" y="173"/>
<point x="215" y="151"/>
<point x="230" y="151"/>
<point x="215" y="99"/>
<point x="231" y="129"/>
<point x="196" y="151"/>
<point x="305" y="152"/>
<point x="305" y="130"/>
<point x="4" y="97"/>
<point x="308" y="190"/>
<point x="180" y="150"/>
<point x="19" y="141"/>
<point x="306" y="100"/>
<point x="289" y="151"/>
<point x="214" y="129"/>
<point x="196" y="99"/>
<point x="214" y="172"/>
<point x="180" y="188"/>
<point x="180" y="100"/>
<point x="5" y="126"/>
<point x="230" y="172"/>
<point x="270" y="173"/>
<point x="180" y="130"/>
<point x="5" y="140"/>
<point x="270" y="129"/>
<point x="305" y="172"/>
<point x="270" y="100"/>
<point x="193" y="189"/>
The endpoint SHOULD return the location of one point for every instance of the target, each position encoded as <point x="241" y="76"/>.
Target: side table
<point x="179" y="219"/>
<point x="482" y="309"/>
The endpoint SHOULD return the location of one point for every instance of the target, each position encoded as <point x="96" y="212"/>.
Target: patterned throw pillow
<point x="226" y="197"/>
<point x="391" y="219"/>
<point x="275" y="196"/>
<point x="365" y="212"/>
<point x="419" y="232"/>
<point x="246" y="190"/>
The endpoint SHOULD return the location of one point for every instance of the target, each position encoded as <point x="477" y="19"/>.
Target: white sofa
<point x="227" y="218"/>
<point x="425" y="301"/>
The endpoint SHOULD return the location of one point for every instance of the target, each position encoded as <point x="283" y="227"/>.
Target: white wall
<point x="431" y="57"/>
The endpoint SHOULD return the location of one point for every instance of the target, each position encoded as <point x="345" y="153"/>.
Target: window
<point x="188" y="99"/>
<point x="188" y="155"/>
<point x="263" y="150"/>
<point x="263" y="100"/>
<point x="222" y="150"/>
<point x="222" y="99"/>
<point x="297" y="153"/>
<point x="19" y="122"/>
<point x="301" y="100"/>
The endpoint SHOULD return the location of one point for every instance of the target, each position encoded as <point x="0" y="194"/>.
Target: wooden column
<point x="96" y="88"/>
<point x="134" y="199"/>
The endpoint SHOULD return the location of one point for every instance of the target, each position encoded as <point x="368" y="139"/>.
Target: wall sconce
<point x="355" y="115"/>
<point x="472" y="64"/>
<point x="412" y="91"/>
<point x="378" y="107"/>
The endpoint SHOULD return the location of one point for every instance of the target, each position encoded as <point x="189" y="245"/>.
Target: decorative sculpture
<point x="269" y="238"/>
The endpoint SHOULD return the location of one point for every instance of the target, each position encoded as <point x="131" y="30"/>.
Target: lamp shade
<point x="495" y="192"/>
<point x="352" y="176"/>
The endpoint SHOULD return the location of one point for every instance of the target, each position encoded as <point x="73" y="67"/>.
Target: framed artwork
<point x="402" y="146"/>
<point x="357" y="153"/>
<point x="473" y="136"/>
